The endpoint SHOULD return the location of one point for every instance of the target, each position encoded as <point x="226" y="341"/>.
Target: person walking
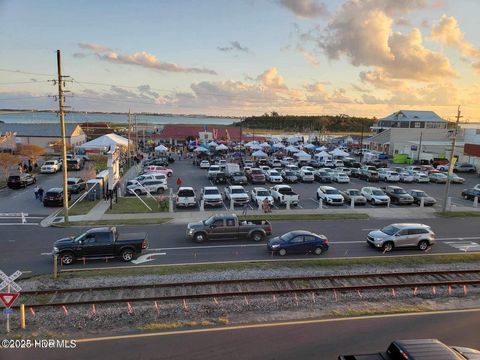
<point x="40" y="194"/>
<point x="35" y="191"/>
<point x="245" y="209"/>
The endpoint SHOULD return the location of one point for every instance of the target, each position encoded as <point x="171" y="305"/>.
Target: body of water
<point x="48" y="117"/>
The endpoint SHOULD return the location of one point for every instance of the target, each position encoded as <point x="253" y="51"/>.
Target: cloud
<point x="362" y="32"/>
<point x="234" y="46"/>
<point x="147" y="90"/>
<point x="79" y="55"/>
<point x="310" y="58"/>
<point x="380" y="80"/>
<point x="271" y="79"/>
<point x="403" y="22"/>
<point x="448" y="32"/>
<point x="143" y="59"/>
<point x="305" y="8"/>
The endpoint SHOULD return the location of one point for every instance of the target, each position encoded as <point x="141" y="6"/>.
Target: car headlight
<point x="55" y="249"/>
<point x="275" y="246"/>
<point x="377" y="239"/>
<point x="190" y="231"/>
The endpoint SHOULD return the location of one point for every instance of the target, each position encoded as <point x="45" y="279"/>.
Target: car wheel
<point x="169" y="174"/>
<point x="199" y="237"/>
<point x="127" y="255"/>
<point x="67" y="258"/>
<point x="373" y="201"/>
<point x="465" y="197"/>
<point x="160" y="191"/>
<point x="257" y="236"/>
<point x="318" y="197"/>
<point x="388" y="246"/>
<point x="423" y="245"/>
<point x="282" y="252"/>
<point x="318" y="251"/>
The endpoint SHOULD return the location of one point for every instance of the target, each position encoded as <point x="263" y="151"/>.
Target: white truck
<point x="283" y="194"/>
<point x="231" y="168"/>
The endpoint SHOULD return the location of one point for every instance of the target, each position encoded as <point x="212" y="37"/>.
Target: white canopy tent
<point x="278" y="145"/>
<point x="259" y="153"/>
<point x="256" y="147"/>
<point x="251" y="143"/>
<point x="212" y="144"/>
<point x="200" y="149"/>
<point x="302" y="155"/>
<point x="161" y="148"/>
<point x="105" y="142"/>
<point x="265" y="144"/>
<point x="310" y="146"/>
<point x="221" y="147"/>
<point x="292" y="148"/>
<point x="339" y="153"/>
<point x="323" y="155"/>
<point x="321" y="148"/>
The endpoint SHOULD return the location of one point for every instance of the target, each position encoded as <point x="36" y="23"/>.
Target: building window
<point x="416" y="124"/>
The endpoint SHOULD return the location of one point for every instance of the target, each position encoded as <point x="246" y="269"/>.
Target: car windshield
<point x="420" y="194"/>
<point x="288" y="236"/>
<point x="274" y="173"/>
<point x="399" y="191"/>
<point x="354" y="193"/>
<point x="263" y="193"/>
<point x="71" y="182"/>
<point x="49" y="162"/>
<point x="377" y="192"/>
<point x="289" y="173"/>
<point x="238" y="174"/>
<point x="214" y="168"/>
<point x="331" y="191"/>
<point x="257" y="171"/>
<point x="389" y="230"/>
<point x="211" y="192"/>
<point x="238" y="191"/>
<point x="210" y="220"/>
<point x="186" y="193"/>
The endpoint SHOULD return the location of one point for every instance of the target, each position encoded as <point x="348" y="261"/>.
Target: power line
<point x="26" y="72"/>
<point x="25" y="82"/>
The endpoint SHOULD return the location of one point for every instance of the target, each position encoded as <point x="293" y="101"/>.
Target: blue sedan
<point x="298" y="241"/>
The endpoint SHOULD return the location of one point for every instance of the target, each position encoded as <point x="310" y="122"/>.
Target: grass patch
<point x="333" y="216"/>
<point x="269" y="265"/>
<point x="100" y="162"/>
<point x="183" y="324"/>
<point x="131" y="205"/>
<point x="83" y="207"/>
<point x="115" y="222"/>
<point x="454" y="214"/>
<point x="3" y="183"/>
<point x="369" y="312"/>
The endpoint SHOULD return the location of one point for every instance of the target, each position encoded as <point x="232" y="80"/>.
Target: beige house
<point x="44" y="135"/>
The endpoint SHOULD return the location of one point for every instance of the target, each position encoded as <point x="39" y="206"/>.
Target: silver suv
<point x="402" y="235"/>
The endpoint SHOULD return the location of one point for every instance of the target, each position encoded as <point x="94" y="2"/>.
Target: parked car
<point x="284" y="194"/>
<point x="248" y="163"/>
<point x="330" y="195"/>
<point x="355" y="172"/>
<point x="438" y="178"/>
<point x="306" y="175"/>
<point x="345" y="170"/>
<point x="287" y="161"/>
<point x="464" y="167"/>
<point x="470" y="194"/>
<point x="204" y="164"/>
<point x="375" y="195"/>
<point x="211" y="196"/>
<point x="273" y="176"/>
<point x="436" y="162"/>
<point x="100" y="242"/>
<point x="237" y="194"/>
<point x="275" y="163"/>
<point x="219" y="178"/>
<point x="406" y="177"/>
<point x="398" y="195"/>
<point x="20" y="180"/>
<point x="238" y="178"/>
<point x="75" y="164"/>
<point x="388" y="175"/>
<point x="185" y="197"/>
<point x="264" y="168"/>
<point x="259" y="194"/>
<point x="323" y="176"/>
<point x="418" y="195"/>
<point x="256" y="176"/>
<point x="341" y="177"/>
<point x="420" y="177"/>
<point x="294" y="168"/>
<point x="148" y="186"/>
<point x="369" y="176"/>
<point x="356" y="195"/>
<point x="289" y="176"/>
<point x="455" y="179"/>
<point x="402" y="235"/>
<point x="51" y="167"/>
<point x="212" y="170"/>
<point x="76" y="185"/>
<point x="228" y="227"/>
<point x="327" y="163"/>
<point x="158" y="169"/>
<point x="300" y="242"/>
<point x="54" y="197"/>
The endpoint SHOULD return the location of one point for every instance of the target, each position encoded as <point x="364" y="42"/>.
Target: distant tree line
<point x="321" y="123"/>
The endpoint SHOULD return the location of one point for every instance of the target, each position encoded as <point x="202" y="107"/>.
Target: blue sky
<point x="244" y="57"/>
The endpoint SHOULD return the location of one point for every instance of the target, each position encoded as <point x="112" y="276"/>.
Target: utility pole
<point x="361" y="144"/>
<point x="136" y="133"/>
<point x="450" y="164"/>
<point x="419" y="150"/>
<point x="61" y="100"/>
<point x="128" y="146"/>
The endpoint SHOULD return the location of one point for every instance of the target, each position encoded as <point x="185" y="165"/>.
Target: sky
<point x="243" y="57"/>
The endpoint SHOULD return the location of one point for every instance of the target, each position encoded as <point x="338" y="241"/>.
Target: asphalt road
<point x="315" y="340"/>
<point x="23" y="246"/>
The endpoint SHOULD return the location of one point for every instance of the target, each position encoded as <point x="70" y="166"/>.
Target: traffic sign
<point x="8" y="311"/>
<point x="8" y="298"/>
<point x="10" y="280"/>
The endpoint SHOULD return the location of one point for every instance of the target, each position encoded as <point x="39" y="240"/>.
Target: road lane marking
<point x="275" y="324"/>
<point x="19" y="223"/>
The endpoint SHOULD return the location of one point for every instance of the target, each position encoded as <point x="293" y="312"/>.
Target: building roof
<point x="37" y="129"/>
<point x="414" y="115"/>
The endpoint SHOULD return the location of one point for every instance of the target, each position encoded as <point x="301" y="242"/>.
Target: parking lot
<point x="192" y="175"/>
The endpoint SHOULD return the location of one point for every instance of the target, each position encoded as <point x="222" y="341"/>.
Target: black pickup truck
<point x="100" y="242"/>
<point x="228" y="227"/>
<point x="418" y="349"/>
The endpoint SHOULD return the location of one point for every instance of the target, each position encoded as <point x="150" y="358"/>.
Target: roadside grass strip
<point x="456" y="214"/>
<point x="300" y="217"/>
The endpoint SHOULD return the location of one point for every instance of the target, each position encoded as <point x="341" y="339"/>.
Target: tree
<point x="32" y="152"/>
<point x="7" y="161"/>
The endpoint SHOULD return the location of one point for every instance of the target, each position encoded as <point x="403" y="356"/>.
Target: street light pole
<point x="61" y="99"/>
<point x="450" y="163"/>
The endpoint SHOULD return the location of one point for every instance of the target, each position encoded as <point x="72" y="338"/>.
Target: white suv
<point x="51" y="167"/>
<point x="211" y="196"/>
<point x="375" y="195"/>
<point x="186" y="197"/>
<point x="259" y="194"/>
<point x="237" y="194"/>
<point x="388" y="175"/>
<point x="330" y="195"/>
<point x="148" y="186"/>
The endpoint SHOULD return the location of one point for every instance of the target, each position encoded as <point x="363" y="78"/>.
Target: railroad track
<point x="250" y="287"/>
